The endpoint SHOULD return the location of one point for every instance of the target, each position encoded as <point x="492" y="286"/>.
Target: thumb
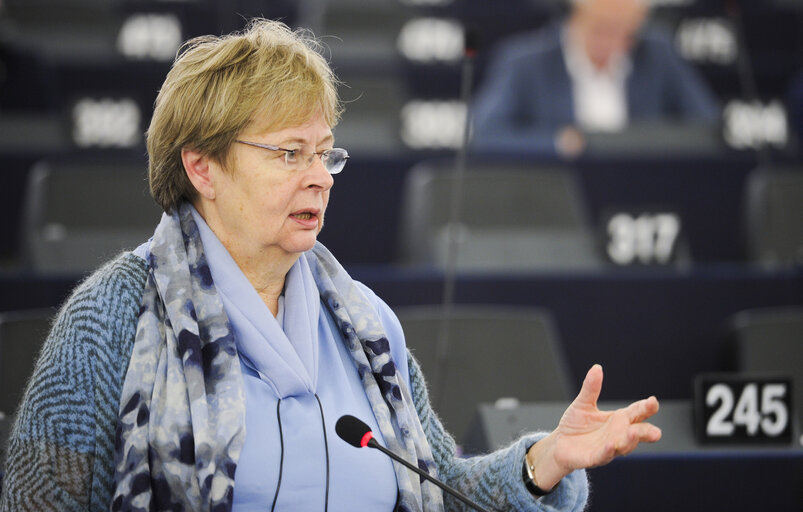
<point x="592" y="387"/>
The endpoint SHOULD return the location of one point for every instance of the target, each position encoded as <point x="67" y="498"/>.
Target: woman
<point x="206" y="369"/>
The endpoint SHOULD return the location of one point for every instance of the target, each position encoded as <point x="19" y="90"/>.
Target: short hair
<point x="218" y="86"/>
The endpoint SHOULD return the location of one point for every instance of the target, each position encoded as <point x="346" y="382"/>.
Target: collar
<point x="283" y="351"/>
<point x="580" y="67"/>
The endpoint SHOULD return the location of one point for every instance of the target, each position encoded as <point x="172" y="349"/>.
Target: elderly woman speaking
<point x="206" y="369"/>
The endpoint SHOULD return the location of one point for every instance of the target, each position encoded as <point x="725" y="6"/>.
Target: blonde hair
<point x="218" y="86"/>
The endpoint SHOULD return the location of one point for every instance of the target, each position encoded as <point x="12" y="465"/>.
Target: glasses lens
<point x="335" y="159"/>
<point x="298" y="159"/>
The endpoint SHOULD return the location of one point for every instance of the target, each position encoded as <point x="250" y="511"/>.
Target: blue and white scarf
<point x="181" y="423"/>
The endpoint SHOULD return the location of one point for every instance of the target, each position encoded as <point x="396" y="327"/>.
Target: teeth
<point x="304" y="216"/>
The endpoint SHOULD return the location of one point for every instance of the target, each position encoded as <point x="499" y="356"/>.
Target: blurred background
<point x="663" y="252"/>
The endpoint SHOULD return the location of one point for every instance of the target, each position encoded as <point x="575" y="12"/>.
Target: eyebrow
<point x="326" y="140"/>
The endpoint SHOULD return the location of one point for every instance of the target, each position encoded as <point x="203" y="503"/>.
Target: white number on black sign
<point x="754" y="125"/>
<point x="767" y="415"/>
<point x="648" y="238"/>
<point x="106" y="122"/>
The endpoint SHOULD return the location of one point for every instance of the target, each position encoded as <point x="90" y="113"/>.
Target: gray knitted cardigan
<point x="61" y="449"/>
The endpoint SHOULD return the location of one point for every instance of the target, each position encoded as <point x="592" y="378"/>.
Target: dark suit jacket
<point x="526" y="96"/>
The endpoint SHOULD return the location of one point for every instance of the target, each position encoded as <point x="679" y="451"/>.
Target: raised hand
<point x="587" y="437"/>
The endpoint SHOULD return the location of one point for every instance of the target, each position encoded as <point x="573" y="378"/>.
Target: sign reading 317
<point x="743" y="409"/>
<point x="643" y="238"/>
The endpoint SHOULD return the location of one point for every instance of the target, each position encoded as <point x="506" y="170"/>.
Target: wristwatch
<point x="528" y="475"/>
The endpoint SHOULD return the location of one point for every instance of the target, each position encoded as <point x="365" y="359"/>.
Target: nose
<point x="317" y="176"/>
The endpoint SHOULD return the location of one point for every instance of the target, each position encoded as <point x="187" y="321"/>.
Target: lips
<point x="306" y="217"/>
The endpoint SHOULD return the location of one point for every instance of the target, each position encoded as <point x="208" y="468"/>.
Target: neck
<point x="267" y="280"/>
<point x="266" y="273"/>
<point x="575" y="41"/>
<point x="265" y="269"/>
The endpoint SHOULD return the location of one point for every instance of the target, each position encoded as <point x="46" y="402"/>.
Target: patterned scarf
<point x="181" y="423"/>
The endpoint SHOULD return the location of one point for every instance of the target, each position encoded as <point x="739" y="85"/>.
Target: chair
<point x="513" y="217"/>
<point x="21" y="336"/>
<point x="360" y="38"/>
<point x="77" y="29"/>
<point x="5" y="430"/>
<point x="774" y="211"/>
<point x="371" y="121"/>
<point x="95" y="32"/>
<point x="36" y="133"/>
<point x="79" y="213"/>
<point x="771" y="340"/>
<point x="361" y="31"/>
<point x="493" y="352"/>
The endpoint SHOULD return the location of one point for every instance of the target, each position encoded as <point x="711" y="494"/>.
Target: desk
<point x="706" y="193"/>
<point x="652" y="330"/>
<point x="364" y="214"/>
<point x="674" y="474"/>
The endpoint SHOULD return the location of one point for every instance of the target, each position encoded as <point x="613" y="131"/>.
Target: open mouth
<point x="308" y="217"/>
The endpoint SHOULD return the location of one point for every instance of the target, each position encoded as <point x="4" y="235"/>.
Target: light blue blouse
<point x="298" y="356"/>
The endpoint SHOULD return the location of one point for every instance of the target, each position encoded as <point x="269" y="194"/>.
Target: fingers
<point x="644" y="433"/>
<point x="592" y="386"/>
<point x="625" y="442"/>
<point x="636" y="434"/>
<point x="641" y="410"/>
<point x="636" y="431"/>
<point x="629" y="441"/>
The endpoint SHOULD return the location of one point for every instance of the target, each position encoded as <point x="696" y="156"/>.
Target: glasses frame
<point x="289" y="152"/>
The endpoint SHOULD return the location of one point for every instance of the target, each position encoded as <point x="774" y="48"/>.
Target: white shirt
<point x="600" y="96"/>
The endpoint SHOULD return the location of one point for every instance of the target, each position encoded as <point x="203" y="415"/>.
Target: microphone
<point x="356" y="433"/>
<point x="470" y="44"/>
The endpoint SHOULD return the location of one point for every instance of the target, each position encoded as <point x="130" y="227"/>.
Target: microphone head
<point x="352" y="430"/>
<point x="471" y="39"/>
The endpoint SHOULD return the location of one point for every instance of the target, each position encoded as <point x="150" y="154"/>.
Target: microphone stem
<point x="454" y="492"/>
<point x="453" y="237"/>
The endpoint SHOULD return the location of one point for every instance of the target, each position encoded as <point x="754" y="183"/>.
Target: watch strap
<point x="527" y="474"/>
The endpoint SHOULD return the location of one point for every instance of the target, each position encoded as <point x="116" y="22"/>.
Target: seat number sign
<point x="743" y="409"/>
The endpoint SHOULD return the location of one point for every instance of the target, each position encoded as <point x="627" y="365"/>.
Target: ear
<point x="196" y="165"/>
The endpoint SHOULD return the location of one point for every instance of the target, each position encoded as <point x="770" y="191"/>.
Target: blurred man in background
<point x="601" y="70"/>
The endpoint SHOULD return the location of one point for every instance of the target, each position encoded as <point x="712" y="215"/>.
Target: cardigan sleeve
<point x="61" y="448"/>
<point x="493" y="480"/>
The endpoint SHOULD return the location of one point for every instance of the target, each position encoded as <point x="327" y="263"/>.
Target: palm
<point x="588" y="437"/>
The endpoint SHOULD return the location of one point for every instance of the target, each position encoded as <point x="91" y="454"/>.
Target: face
<point x="261" y="210"/>
<point x="608" y="28"/>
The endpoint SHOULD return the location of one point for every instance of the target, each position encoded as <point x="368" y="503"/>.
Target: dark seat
<point x="774" y="210"/>
<point x="512" y="217"/>
<point x="21" y="336"/>
<point x="79" y="213"/>
<point x="770" y="340"/>
<point x="371" y="121"/>
<point x="355" y="30"/>
<point x="492" y="352"/>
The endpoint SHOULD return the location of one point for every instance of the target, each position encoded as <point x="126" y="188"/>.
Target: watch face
<point x="529" y="481"/>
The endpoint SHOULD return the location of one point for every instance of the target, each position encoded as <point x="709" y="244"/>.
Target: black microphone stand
<point x="453" y="228"/>
<point x="454" y="492"/>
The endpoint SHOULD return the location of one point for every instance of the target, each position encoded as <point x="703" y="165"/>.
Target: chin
<point x="299" y="246"/>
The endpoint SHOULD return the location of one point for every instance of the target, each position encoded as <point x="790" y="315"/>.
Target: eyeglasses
<point x="301" y="159"/>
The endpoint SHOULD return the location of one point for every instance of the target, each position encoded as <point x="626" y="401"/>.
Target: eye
<point x="292" y="154"/>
